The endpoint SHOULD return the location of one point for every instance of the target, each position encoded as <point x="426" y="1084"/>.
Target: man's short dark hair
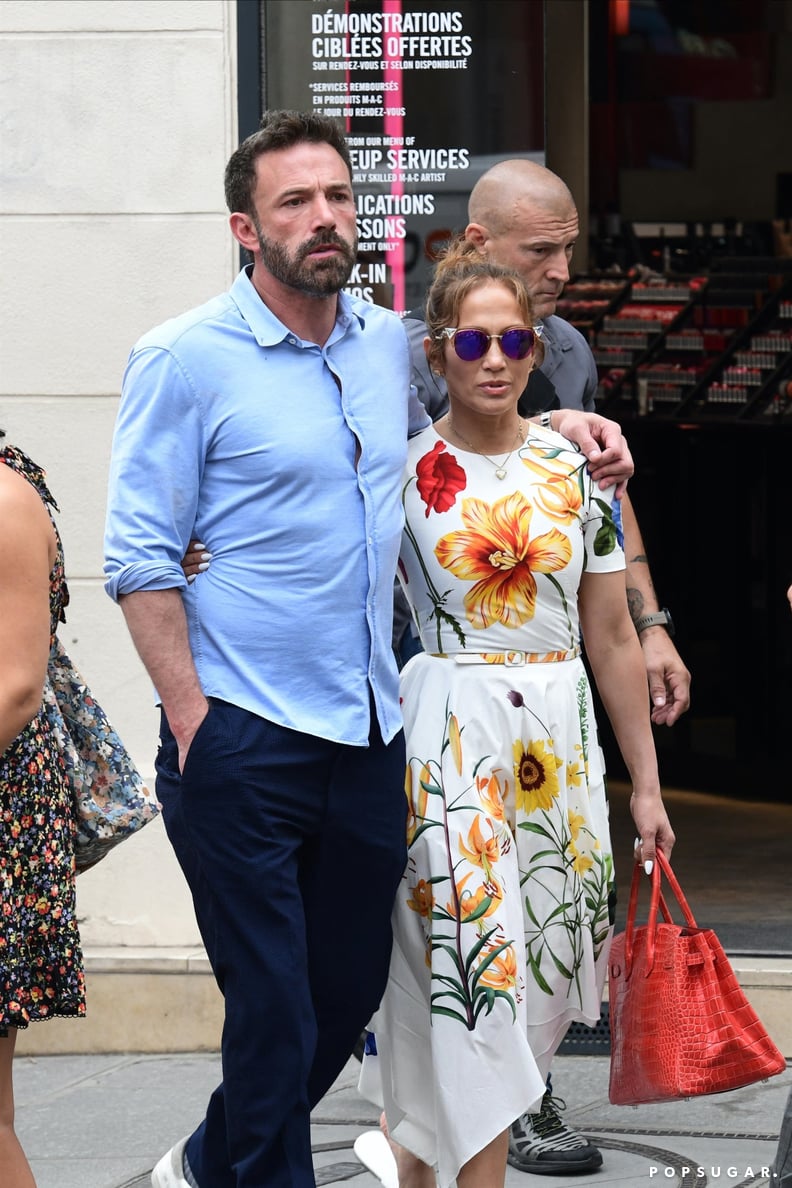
<point x="278" y="130"/>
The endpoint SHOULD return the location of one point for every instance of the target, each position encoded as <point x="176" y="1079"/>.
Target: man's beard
<point x="320" y="278"/>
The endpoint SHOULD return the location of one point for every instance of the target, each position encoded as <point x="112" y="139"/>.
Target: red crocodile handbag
<point x="680" y="1023"/>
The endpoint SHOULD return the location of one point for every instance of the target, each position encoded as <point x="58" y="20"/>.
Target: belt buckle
<point x="513" y="659"/>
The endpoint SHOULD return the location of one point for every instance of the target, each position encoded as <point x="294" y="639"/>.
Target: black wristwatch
<point x="661" y="618"/>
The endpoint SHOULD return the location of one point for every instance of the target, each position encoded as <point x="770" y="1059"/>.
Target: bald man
<point x="524" y="217"/>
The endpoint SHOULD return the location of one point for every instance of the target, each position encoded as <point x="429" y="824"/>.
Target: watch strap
<point x="661" y="618"/>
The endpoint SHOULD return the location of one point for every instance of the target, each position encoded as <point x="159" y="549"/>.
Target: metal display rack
<point x="710" y="347"/>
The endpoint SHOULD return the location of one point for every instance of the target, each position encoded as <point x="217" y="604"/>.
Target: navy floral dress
<point x="41" y="966"/>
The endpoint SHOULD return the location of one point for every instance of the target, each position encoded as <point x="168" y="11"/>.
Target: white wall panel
<point x="135" y="16"/>
<point x="115" y="124"/>
<point x="85" y="290"/>
<point x="70" y="437"/>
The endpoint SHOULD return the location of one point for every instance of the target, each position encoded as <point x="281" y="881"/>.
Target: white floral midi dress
<point x="501" y="924"/>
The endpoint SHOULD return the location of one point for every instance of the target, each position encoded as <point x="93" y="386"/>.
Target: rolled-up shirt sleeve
<point x="157" y="460"/>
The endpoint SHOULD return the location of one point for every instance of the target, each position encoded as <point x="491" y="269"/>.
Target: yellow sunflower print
<point x="535" y="775"/>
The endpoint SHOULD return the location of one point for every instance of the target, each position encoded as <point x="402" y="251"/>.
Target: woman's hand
<point x="602" y="443"/>
<point x="653" y="828"/>
<point x="195" y="560"/>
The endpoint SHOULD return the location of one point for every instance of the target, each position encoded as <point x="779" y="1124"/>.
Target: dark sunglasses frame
<point x="471" y="344"/>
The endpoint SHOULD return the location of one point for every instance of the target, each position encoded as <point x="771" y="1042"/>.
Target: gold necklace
<point x="500" y="467"/>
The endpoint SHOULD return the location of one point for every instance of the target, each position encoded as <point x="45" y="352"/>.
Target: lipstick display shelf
<point x="633" y="333"/>
<point x="588" y="299"/>
<point x="726" y="355"/>
<point x="752" y="379"/>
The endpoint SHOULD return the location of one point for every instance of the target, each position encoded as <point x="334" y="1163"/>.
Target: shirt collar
<point x="269" y="330"/>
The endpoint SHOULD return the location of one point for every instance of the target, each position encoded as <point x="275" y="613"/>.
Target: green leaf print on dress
<point x="472" y="964"/>
<point x="574" y="875"/>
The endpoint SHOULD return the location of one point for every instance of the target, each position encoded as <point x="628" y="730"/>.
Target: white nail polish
<point x="204" y="565"/>
<point x="198" y="545"/>
<point x="206" y="556"/>
<point x="648" y="866"/>
<point x="191" y="578"/>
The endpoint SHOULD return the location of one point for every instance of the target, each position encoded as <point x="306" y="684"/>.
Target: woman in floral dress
<point x="502" y="921"/>
<point x="41" y="969"/>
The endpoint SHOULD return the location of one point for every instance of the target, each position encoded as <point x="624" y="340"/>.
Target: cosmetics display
<point x="586" y="302"/>
<point x="698" y="371"/>
<point x="709" y="347"/>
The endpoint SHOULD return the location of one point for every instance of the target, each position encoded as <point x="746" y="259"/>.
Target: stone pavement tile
<point x="754" y="1110"/>
<point x="104" y="1121"/>
<point x="718" y="1141"/>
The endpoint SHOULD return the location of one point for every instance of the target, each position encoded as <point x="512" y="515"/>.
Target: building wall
<point x="117" y="121"/>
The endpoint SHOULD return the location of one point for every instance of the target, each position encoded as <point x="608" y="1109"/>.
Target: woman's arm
<point x="616" y="660"/>
<point x="27" y="546"/>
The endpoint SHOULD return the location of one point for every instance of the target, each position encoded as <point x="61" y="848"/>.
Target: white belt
<point x="510" y="659"/>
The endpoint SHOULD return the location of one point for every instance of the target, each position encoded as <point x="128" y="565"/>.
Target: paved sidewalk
<point x="104" y="1121"/>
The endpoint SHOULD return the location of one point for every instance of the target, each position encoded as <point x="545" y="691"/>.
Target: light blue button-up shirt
<point x="235" y="431"/>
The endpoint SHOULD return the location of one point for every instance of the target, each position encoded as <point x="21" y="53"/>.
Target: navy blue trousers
<point x="293" y="848"/>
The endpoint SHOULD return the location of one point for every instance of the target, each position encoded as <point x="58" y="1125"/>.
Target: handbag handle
<point x="661" y="867"/>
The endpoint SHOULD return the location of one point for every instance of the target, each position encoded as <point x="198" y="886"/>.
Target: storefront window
<point x="430" y="96"/>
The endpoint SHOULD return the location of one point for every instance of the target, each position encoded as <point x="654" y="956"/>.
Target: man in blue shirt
<point x="254" y="421"/>
<point x="271" y="423"/>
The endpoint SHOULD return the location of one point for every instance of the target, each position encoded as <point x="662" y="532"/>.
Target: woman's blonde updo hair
<point x="459" y="271"/>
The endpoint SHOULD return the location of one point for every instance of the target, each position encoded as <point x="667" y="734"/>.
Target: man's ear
<point x="477" y="235"/>
<point x="244" y="231"/>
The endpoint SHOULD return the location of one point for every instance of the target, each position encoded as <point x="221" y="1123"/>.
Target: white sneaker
<point x="169" y="1172"/>
<point x="373" y="1151"/>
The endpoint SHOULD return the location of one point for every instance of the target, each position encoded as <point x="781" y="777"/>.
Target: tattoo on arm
<point x="639" y="558"/>
<point x="635" y="602"/>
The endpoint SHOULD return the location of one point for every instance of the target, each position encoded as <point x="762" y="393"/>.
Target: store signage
<point x="429" y="94"/>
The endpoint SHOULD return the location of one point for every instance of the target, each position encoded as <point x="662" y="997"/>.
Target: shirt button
<point x="293" y="341"/>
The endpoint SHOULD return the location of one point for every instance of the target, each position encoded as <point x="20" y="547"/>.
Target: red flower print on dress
<point x="440" y="479"/>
